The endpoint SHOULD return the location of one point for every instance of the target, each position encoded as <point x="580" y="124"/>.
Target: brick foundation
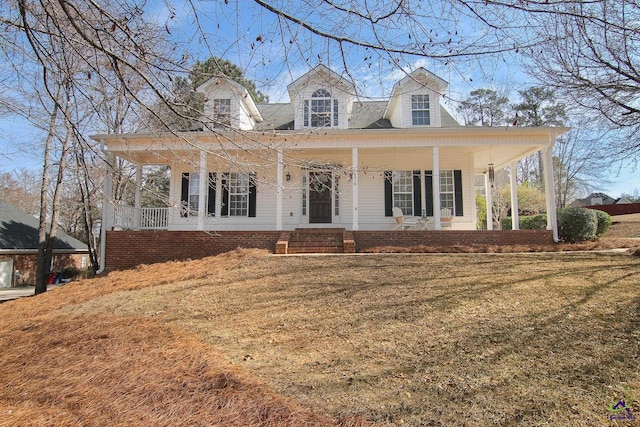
<point x="127" y="249"/>
<point x="367" y="240"/>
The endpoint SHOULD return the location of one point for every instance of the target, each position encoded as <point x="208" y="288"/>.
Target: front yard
<point x="465" y="339"/>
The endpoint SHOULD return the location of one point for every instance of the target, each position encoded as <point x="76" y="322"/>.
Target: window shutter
<point x="211" y="202"/>
<point x="388" y="193"/>
<point x="417" y="194"/>
<point x="457" y="188"/>
<point x="428" y="189"/>
<point x="184" y="195"/>
<point x="252" y="194"/>
<point x="335" y="112"/>
<point x="305" y="112"/>
<point x="224" y="210"/>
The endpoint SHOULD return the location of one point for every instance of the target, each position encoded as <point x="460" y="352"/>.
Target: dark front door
<point x="320" y="197"/>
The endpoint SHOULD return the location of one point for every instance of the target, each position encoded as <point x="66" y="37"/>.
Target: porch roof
<point x="497" y="145"/>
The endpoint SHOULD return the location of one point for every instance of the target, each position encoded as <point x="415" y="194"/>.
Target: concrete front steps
<point x="315" y="241"/>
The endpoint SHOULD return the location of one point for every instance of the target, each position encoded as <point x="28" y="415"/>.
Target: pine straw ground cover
<point x="63" y="366"/>
<point x="251" y="339"/>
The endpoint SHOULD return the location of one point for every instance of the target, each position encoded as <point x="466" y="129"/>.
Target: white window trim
<point x="222" y="111"/>
<point x="330" y="115"/>
<point x="425" y="110"/>
<point x="235" y="182"/>
<point x="407" y="208"/>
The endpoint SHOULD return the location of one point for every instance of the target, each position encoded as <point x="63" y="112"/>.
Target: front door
<point x="320" y="197"/>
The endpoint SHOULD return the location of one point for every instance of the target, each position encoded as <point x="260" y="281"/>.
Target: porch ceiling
<point x="488" y="145"/>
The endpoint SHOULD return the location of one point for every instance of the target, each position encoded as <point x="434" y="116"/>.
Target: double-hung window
<point x="447" y="188"/>
<point x="420" y="110"/>
<point x="222" y="112"/>
<point x="321" y="110"/>
<point x="238" y="194"/>
<point x="190" y="194"/>
<point x="403" y="191"/>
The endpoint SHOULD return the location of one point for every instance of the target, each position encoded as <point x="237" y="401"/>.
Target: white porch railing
<point x="130" y="217"/>
<point x="154" y="218"/>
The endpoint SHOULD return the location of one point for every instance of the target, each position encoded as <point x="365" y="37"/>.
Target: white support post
<point x="138" y="198"/>
<point x="436" y="187"/>
<point x="423" y="194"/>
<point x="279" y="191"/>
<point x="354" y="182"/>
<point x="547" y="164"/>
<point x="515" y="216"/>
<point x="489" y="197"/>
<point x="203" y="188"/>
<point x="107" y="210"/>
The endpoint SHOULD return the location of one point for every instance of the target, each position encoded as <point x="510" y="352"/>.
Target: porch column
<point x="547" y="164"/>
<point x="107" y="206"/>
<point x="279" y="191"/>
<point x="354" y="183"/>
<point x="515" y="216"/>
<point x="489" y="197"/>
<point x="436" y="187"/>
<point x="202" y="190"/>
<point x="138" y="198"/>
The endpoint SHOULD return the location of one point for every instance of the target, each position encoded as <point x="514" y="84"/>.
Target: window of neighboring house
<point x="222" y="112"/>
<point x="447" y="187"/>
<point x="420" y="110"/>
<point x="239" y="194"/>
<point x="402" y="182"/>
<point x="321" y="110"/>
<point x="190" y="194"/>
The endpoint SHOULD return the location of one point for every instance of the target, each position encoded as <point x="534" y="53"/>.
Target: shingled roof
<point x="19" y="232"/>
<point x="365" y="115"/>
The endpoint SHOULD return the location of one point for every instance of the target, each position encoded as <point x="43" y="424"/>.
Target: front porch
<point x="129" y="248"/>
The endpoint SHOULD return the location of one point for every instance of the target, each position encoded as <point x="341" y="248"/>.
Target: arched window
<point x="321" y="110"/>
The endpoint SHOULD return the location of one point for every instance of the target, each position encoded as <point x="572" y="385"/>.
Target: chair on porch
<point x="401" y="222"/>
<point x="445" y="218"/>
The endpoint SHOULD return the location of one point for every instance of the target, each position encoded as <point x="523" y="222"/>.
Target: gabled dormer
<point x="321" y="99"/>
<point x="415" y="100"/>
<point x="228" y="104"/>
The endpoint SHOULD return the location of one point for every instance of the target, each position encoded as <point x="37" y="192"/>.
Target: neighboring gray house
<point x="598" y="199"/>
<point x="19" y="247"/>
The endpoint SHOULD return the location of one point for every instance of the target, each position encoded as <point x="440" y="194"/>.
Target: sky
<point x="243" y="33"/>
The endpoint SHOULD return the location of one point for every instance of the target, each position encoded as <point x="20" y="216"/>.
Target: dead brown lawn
<point x="459" y="339"/>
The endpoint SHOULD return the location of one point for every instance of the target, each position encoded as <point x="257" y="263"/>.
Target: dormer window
<point x="321" y="110"/>
<point x="420" y="110"/>
<point x="222" y="112"/>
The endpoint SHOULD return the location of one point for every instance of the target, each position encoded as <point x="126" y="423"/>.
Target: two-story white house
<point x="326" y="159"/>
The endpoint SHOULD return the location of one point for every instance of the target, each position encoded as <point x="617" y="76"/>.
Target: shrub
<point x="506" y="223"/>
<point x="577" y="224"/>
<point x="604" y="222"/>
<point x="535" y="222"/>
